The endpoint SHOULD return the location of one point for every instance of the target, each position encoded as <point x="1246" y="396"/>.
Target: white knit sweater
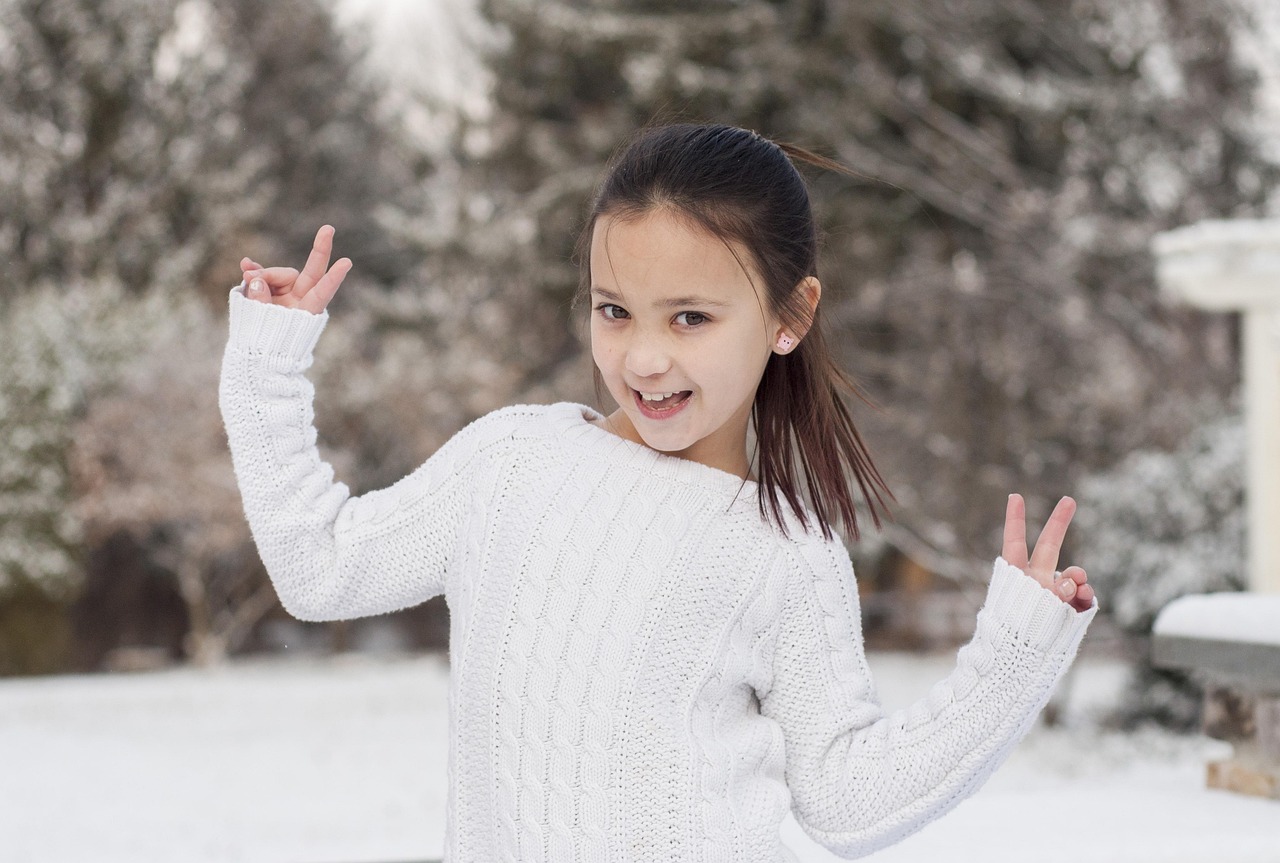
<point x="642" y="669"/>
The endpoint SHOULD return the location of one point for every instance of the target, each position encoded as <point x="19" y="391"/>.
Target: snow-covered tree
<point x="120" y="153"/>
<point x="157" y="142"/>
<point x="144" y="148"/>
<point x="311" y="112"/>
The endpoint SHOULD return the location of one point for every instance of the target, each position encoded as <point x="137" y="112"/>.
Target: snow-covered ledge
<point x="1233" y="637"/>
<point x="1232" y="641"/>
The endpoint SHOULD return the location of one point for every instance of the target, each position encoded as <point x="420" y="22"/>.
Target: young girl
<point x="655" y="644"/>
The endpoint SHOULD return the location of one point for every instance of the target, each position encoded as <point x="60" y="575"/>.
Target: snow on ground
<point x="343" y="761"/>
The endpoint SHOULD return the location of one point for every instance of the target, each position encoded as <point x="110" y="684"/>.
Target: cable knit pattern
<point x="642" y="668"/>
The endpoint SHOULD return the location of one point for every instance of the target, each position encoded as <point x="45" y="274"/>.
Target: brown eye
<point x="692" y="319"/>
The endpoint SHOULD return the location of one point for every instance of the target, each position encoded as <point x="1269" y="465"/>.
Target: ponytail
<point x="803" y="428"/>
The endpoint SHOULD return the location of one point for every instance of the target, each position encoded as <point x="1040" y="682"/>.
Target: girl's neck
<point x="731" y="459"/>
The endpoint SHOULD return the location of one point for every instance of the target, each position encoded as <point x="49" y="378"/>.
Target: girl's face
<point x="673" y="311"/>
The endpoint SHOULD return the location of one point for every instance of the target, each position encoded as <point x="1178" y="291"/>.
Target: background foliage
<point x="991" y="287"/>
<point x="988" y="281"/>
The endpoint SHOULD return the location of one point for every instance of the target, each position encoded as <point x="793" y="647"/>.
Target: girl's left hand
<point x="311" y="289"/>
<point x="1071" y="587"/>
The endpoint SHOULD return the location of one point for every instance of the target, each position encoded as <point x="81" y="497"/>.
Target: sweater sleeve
<point x="860" y="779"/>
<point x="330" y="555"/>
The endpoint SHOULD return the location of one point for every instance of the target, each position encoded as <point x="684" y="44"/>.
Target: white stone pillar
<point x="1234" y="266"/>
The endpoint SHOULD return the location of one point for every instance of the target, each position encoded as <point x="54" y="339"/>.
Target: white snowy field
<point x="343" y="761"/>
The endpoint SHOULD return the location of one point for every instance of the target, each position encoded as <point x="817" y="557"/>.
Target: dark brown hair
<point x="744" y="189"/>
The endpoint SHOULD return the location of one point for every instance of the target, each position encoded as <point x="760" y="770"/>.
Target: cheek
<point x="599" y="349"/>
<point x="736" y="375"/>
<point x="603" y="354"/>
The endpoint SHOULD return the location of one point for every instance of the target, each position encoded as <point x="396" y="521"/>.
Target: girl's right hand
<point x="311" y="289"/>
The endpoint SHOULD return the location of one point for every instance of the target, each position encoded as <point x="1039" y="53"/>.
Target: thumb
<point x="257" y="290"/>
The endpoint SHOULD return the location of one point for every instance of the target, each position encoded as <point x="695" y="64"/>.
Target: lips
<point x="663" y="408"/>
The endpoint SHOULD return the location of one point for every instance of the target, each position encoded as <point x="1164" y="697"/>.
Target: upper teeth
<point x="656" y="397"/>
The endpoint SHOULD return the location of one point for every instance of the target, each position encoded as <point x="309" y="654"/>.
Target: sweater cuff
<point x="266" y="328"/>
<point x="1029" y="613"/>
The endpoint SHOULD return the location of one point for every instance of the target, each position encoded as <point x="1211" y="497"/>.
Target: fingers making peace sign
<point x="1071" y="584"/>
<point x="311" y="289"/>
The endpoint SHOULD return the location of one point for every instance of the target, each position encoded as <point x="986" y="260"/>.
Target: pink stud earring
<point x="785" y="342"/>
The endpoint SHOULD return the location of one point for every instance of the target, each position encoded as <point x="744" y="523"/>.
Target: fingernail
<point x="1067" y="587"/>
<point x="257" y="286"/>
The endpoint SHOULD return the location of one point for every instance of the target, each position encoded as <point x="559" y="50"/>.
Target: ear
<point x="785" y="339"/>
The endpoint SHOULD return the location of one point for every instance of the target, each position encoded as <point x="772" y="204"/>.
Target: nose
<point x="647" y="355"/>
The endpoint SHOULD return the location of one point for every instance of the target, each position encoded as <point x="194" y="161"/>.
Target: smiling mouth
<point x="658" y="407"/>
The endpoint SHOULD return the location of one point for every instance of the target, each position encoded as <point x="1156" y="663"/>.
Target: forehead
<point x="661" y="254"/>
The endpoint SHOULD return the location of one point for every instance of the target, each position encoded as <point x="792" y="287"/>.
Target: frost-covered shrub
<point x="58" y="347"/>
<point x="41" y="381"/>
<point x="150" y="460"/>
<point x="1158" y="526"/>
<point x="1164" y="524"/>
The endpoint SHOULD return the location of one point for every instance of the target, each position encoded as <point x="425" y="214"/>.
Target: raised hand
<point x="1071" y="587"/>
<point x="311" y="289"/>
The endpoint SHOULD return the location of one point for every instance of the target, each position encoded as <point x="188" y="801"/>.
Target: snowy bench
<point x="1231" y="642"/>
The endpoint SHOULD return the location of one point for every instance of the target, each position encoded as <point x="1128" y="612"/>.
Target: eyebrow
<point x="672" y="302"/>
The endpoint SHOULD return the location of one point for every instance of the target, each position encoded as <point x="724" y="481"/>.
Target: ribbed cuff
<point x="1030" y="613"/>
<point x="266" y="328"/>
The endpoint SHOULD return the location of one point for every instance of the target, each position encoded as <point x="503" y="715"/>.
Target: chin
<point x="667" y="443"/>
<point x="667" y="446"/>
<point x="670" y="442"/>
